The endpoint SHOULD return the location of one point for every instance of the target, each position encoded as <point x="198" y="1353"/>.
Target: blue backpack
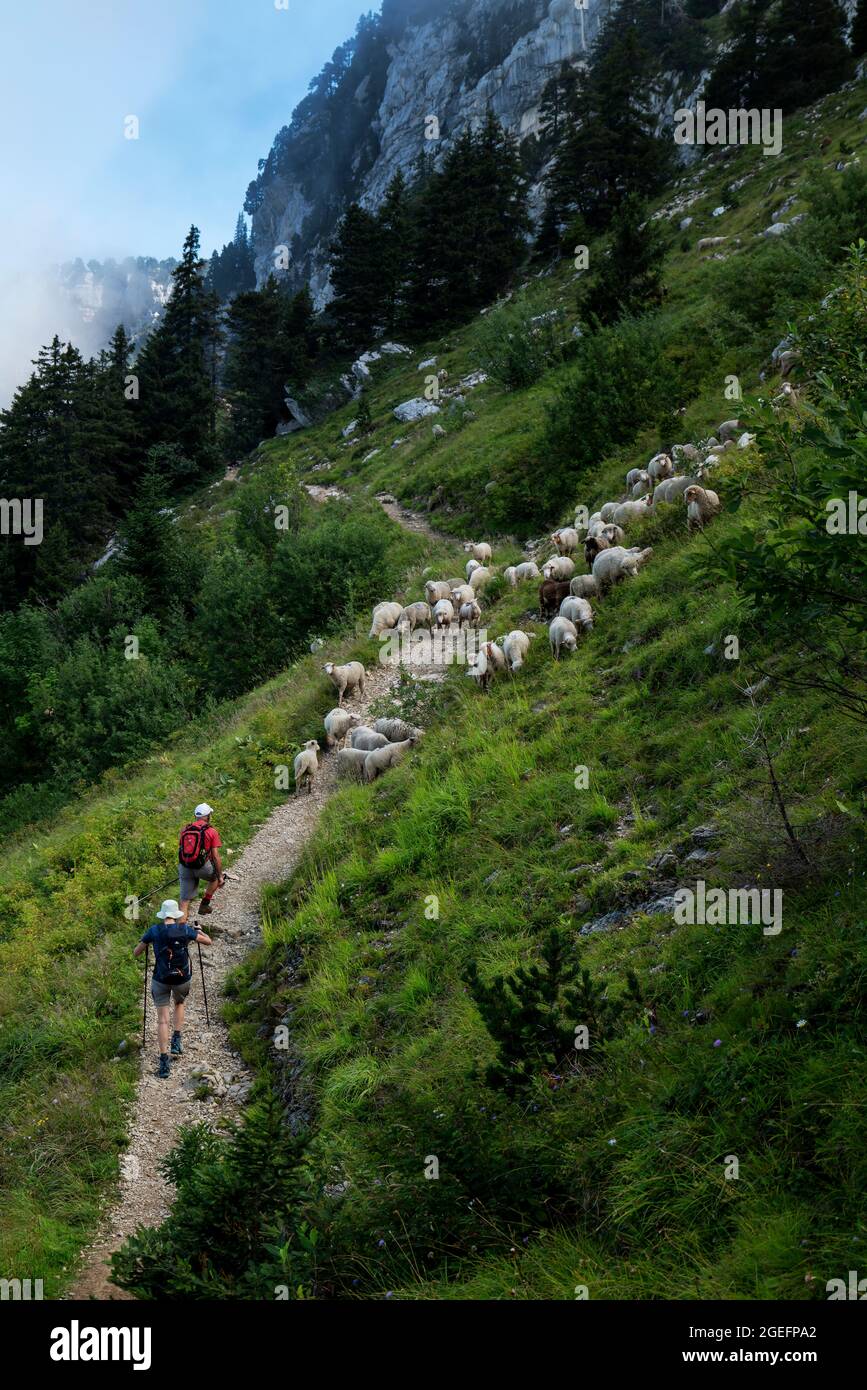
<point x="171" y="958"/>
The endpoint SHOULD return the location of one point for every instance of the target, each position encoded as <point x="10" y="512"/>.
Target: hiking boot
<point x="177" y="1045"/>
<point x="204" y="908"/>
<point x="165" y="1069"/>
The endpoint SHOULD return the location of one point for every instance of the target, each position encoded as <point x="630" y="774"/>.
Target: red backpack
<point x="192" y="850"/>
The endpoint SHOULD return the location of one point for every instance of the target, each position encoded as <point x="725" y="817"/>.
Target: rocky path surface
<point x="210" y="1081"/>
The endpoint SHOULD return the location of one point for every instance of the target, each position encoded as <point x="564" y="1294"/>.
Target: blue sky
<point x="211" y="82"/>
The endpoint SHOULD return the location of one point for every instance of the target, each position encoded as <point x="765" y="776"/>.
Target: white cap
<point x="203" y="810"/>
<point x="169" y="909"/>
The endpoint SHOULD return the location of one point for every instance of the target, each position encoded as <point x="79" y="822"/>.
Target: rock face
<point x="101" y="295"/>
<point x="428" y="59"/>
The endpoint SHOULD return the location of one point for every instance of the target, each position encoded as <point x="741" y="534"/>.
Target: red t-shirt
<point x="212" y="839"/>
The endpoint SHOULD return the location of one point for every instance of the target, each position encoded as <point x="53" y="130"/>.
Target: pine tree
<point x="395" y="225"/>
<point x="272" y="341"/>
<point x="610" y="149"/>
<point x="858" y="36"/>
<point x="149" y="548"/>
<point x="630" y="277"/>
<point x="178" y="365"/>
<point x="356" y="277"/>
<point x="805" y="55"/>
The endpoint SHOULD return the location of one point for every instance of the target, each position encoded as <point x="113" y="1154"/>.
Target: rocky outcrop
<point x="438" y="66"/>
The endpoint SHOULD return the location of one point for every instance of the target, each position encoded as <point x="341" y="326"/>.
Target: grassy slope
<point x="486" y="817"/>
<point x="69" y="990"/>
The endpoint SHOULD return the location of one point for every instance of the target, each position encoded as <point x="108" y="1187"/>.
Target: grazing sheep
<point x="350" y="762"/>
<point x="642" y="486"/>
<point x="633" y="476"/>
<point x="463" y="593"/>
<point x="413" y="616"/>
<point x="509" y="576"/>
<point x="479" y="578"/>
<point x="472" y="565"/>
<point x="685" y="453"/>
<point x="306" y="766"/>
<point x="563" y="636"/>
<point x="632" y="511"/>
<point x="515" y="647"/>
<point x="436" y="589"/>
<point x="551" y="595"/>
<point x="558" y="567"/>
<point x="455" y="583"/>
<point x="660" y="467"/>
<point x="701" y="506"/>
<point x="337" y="723"/>
<point x="367" y="739"/>
<point x="610" y="566"/>
<point x="592" y="547"/>
<point x="381" y="759"/>
<point x="728" y="430"/>
<point x="528" y="569"/>
<point x="443" y="613"/>
<point x="385" y="616"/>
<point x="578" y="611"/>
<point x="345" y="679"/>
<point x="606" y="511"/>
<point x="672" y="488"/>
<point x="469" y="614"/>
<point x="395" y="730"/>
<point x="565" y="539"/>
<point x="482" y="552"/>
<point x="583" y="586"/>
<point x="496" y="659"/>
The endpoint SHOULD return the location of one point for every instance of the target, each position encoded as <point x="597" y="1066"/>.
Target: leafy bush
<point x="517" y="342"/>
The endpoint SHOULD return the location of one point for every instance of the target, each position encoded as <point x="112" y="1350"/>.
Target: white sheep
<point x="728" y="430"/>
<point x="633" y="476"/>
<point x="509" y="576"/>
<point x="528" y="569"/>
<point x="578" y="611"/>
<point x="685" y="453"/>
<point x="563" y="636"/>
<point x="479" y="578"/>
<point x="616" y="563"/>
<point x="350" y="762"/>
<point x="606" y="511"/>
<point x="385" y="616"/>
<point x="469" y="614"/>
<point x="480" y="669"/>
<point x="566" y="540"/>
<point x="516" y="644"/>
<point x="345" y="679"/>
<point x="559" y="567"/>
<point x="642" y="486"/>
<point x="395" y="730"/>
<point x="632" y="511"/>
<point x="338" y="723"/>
<point x="367" y="739"/>
<point x="701" y="506"/>
<point x="672" y="488"/>
<point x="660" y="467"/>
<point x="583" y="586"/>
<point x="443" y="612"/>
<point x="463" y="593"/>
<point x="472" y="565"/>
<point x="381" y="759"/>
<point x="306" y="766"/>
<point x="482" y="552"/>
<point x="435" y="589"/>
<point x="413" y="616"/>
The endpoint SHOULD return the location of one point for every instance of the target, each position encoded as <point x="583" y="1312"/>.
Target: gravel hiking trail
<point x="210" y="1081"/>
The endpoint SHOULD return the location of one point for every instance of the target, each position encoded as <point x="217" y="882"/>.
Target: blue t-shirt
<point x="161" y="935"/>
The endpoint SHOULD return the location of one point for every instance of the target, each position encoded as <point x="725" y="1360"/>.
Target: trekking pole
<point x="144" y="1019"/>
<point x="204" y="991"/>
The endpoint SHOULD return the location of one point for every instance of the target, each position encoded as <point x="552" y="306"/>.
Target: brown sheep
<point x="551" y="595"/>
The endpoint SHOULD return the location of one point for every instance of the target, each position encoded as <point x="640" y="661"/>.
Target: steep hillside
<point x="490" y="851"/>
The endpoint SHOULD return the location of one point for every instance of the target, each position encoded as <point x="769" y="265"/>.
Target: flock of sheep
<point x="564" y="599"/>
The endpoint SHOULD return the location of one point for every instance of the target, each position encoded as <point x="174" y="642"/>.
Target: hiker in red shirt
<point x="199" y="858"/>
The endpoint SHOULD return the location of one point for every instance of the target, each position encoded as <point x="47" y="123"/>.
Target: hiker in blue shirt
<point x="172" y="975"/>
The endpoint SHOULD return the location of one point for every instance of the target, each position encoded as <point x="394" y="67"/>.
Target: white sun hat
<point x="169" y="909"/>
<point x="203" y="810"/>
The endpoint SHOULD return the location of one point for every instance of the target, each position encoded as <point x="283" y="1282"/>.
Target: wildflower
<point x="801" y="1023"/>
<point x="718" y="1042"/>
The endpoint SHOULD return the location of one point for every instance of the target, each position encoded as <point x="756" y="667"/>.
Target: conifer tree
<point x="629" y="279"/>
<point x="356" y="276"/>
<point x="858" y="36"/>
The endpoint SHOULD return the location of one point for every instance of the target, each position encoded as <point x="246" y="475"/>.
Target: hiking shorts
<point x="161" y="993"/>
<point x="189" y="879"/>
